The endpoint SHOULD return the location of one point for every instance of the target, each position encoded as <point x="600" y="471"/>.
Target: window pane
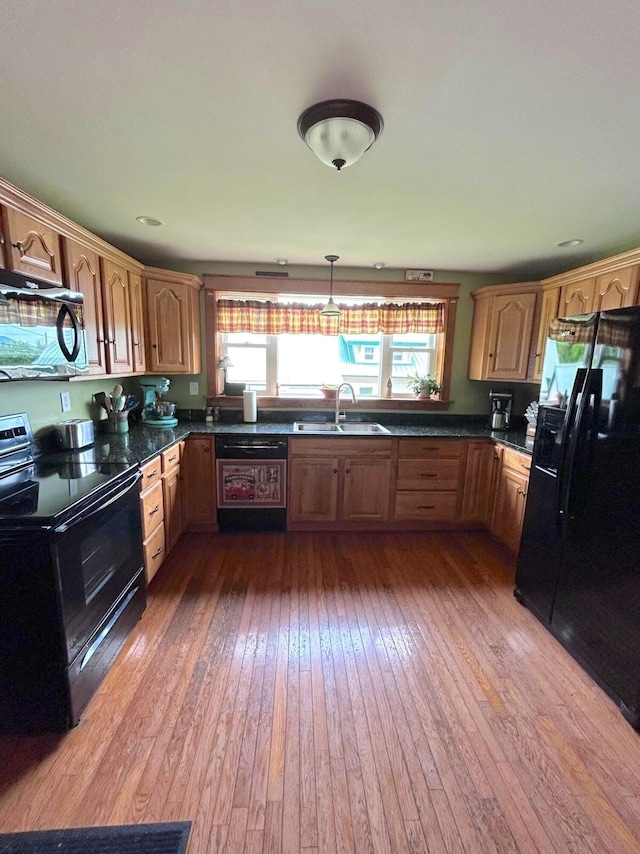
<point x="248" y="365"/>
<point x="305" y="362"/>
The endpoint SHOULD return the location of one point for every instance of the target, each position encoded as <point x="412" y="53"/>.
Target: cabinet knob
<point x="19" y="246"/>
<point x="348" y="471"/>
<point x="335" y="471"/>
<point x="207" y="449"/>
<point x="154" y="346"/>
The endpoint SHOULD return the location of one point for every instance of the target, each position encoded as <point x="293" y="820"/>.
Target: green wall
<point x="41" y="400"/>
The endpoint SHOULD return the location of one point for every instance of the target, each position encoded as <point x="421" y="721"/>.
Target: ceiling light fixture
<point x="282" y="261"/>
<point x="149" y="220"/>
<point x="379" y="265"/>
<point x="340" y="131"/>
<point x="574" y="242"/>
<point x="331" y="309"/>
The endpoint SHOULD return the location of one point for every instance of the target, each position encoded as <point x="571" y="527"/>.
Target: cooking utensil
<point x="99" y="398"/>
<point x="108" y="404"/>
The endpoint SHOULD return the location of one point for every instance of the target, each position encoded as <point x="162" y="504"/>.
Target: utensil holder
<point x="118" y="422"/>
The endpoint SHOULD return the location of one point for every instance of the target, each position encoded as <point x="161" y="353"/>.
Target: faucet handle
<point x="342" y="416"/>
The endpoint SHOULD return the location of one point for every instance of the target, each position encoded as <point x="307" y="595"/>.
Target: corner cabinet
<point x="502" y="335"/>
<point x="173" y="322"/>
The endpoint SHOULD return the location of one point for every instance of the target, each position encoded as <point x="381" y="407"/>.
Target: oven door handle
<point x="82" y="517"/>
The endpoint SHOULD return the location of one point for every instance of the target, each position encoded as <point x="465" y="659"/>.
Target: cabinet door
<point x="577" y="298"/>
<point x="366" y="489"/>
<point x="549" y="311"/>
<point x="313" y="489"/>
<point x="475" y="498"/>
<point x="510" y="506"/>
<point x="198" y="469"/>
<point x="137" y="323"/>
<point x="171" y="322"/>
<point x="616" y="290"/>
<point x="117" y="316"/>
<point x="510" y="339"/>
<point x="82" y="273"/>
<point x="173" y="507"/>
<point x="32" y="248"/>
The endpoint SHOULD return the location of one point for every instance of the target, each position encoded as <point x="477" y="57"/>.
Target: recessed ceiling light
<point x="574" y="242"/>
<point x="149" y="220"/>
<point x="282" y="261"/>
<point x="380" y="264"/>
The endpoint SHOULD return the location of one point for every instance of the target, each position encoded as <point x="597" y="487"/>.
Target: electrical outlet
<point x="65" y="401"/>
<point x="194" y="388"/>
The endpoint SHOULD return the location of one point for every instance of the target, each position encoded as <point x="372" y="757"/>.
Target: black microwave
<point x="42" y="332"/>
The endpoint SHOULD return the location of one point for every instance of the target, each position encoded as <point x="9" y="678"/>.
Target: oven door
<point x="97" y="553"/>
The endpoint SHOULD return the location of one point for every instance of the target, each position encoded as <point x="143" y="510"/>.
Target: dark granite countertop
<point x="142" y="443"/>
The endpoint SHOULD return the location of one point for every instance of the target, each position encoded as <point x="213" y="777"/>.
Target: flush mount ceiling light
<point x="574" y="242"/>
<point x="380" y="265"/>
<point x="331" y="309"/>
<point x="282" y="261"/>
<point x="340" y="131"/>
<point x="149" y="220"/>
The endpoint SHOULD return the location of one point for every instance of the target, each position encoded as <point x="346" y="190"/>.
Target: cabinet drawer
<point x="428" y="474"/>
<point x="170" y="457"/>
<point x="154" y="553"/>
<point x="150" y="473"/>
<point x="437" y="506"/>
<point x="340" y="446"/>
<point x="516" y="461"/>
<point x="431" y="448"/>
<point x="151" y="509"/>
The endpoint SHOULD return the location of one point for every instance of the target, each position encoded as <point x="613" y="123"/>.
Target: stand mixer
<point x="156" y="412"/>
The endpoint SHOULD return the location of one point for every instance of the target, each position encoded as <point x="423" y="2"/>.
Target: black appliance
<point x="579" y="564"/>
<point x="41" y="330"/>
<point x="72" y="583"/>
<point x="251" y="477"/>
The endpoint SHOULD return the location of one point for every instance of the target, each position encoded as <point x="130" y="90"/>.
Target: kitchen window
<point x="295" y="365"/>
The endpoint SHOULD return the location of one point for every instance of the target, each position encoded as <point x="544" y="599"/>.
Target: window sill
<point x="400" y="404"/>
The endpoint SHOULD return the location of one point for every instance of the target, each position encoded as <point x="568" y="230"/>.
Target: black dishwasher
<point x="251" y="477"/>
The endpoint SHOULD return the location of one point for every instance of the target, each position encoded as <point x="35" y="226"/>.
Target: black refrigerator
<point x="579" y="563"/>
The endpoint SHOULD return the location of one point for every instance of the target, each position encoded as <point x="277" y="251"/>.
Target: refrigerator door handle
<point x="567" y="436"/>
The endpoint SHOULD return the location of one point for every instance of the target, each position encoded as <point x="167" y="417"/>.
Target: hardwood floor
<point x="309" y="692"/>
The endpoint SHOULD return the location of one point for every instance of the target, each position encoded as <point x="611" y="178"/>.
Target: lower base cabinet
<point x="510" y="501"/>
<point x="199" y="471"/>
<point x="162" y="507"/>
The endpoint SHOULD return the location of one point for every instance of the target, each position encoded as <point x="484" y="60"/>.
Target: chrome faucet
<point x="340" y="416"/>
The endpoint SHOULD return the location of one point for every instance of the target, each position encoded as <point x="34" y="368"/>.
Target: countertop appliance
<point x="579" y="564"/>
<point x="41" y="330"/>
<point x="75" y="433"/>
<point x="500" y="409"/>
<point x="251" y="477"/>
<point x="72" y="582"/>
<point x="155" y="411"/>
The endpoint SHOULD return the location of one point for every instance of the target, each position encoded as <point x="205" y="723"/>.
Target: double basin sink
<point x="345" y="427"/>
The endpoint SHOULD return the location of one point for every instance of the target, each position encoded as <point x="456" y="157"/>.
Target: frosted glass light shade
<point x="330" y="309"/>
<point x="339" y="132"/>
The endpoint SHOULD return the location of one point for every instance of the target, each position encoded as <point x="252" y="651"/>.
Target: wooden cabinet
<point x="136" y="301"/>
<point x="616" y="290"/>
<point x="198" y="469"/>
<point x="511" y="497"/>
<point x="428" y="480"/>
<point x="577" y="297"/>
<point x="117" y="317"/>
<point x="31" y="247"/>
<point x="152" y="512"/>
<point x="477" y="477"/>
<point x="339" y="482"/>
<point x="172" y="494"/>
<point x="504" y="320"/>
<point x="82" y="273"/>
<point x="173" y="322"/>
<point x="549" y="310"/>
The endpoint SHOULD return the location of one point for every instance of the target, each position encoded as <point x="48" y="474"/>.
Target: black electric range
<point x="72" y="584"/>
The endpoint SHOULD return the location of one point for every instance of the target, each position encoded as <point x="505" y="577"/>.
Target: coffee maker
<point x="500" y="402"/>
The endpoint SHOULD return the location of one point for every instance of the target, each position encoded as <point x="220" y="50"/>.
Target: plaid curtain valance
<point x="272" y="318"/>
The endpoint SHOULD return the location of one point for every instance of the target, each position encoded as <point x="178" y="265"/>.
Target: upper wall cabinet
<point x="136" y="302"/>
<point x="173" y="322"/>
<point x="548" y="311"/>
<point x="616" y="290"/>
<point x="117" y="316"/>
<point x="31" y="247"/>
<point x="504" y="319"/>
<point x="82" y="273"/>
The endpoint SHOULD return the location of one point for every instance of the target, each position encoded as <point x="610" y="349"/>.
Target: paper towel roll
<point x="250" y="406"/>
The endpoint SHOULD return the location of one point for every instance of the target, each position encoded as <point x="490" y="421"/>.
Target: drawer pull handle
<point x="155" y="510"/>
<point x="522" y="492"/>
<point x="426" y="506"/>
<point x="429" y="447"/>
<point x="152" y="473"/>
<point x="174" y="457"/>
<point x="524" y="466"/>
<point x="429" y="474"/>
<point x="157" y="553"/>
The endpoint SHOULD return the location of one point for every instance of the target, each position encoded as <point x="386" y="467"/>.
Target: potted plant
<point x="423" y="387"/>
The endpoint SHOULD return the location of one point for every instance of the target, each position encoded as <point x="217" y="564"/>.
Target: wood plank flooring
<point x="348" y="692"/>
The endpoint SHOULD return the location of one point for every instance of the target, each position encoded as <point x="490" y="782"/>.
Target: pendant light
<point x="340" y="131"/>
<point x="331" y="309"/>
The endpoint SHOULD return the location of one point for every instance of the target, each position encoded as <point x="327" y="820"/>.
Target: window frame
<point x="245" y="287"/>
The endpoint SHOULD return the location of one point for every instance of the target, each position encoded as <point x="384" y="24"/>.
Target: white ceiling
<point x="509" y="126"/>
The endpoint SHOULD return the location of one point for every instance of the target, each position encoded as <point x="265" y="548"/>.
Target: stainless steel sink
<point x="329" y="427"/>
<point x="358" y="427"/>
<point x="315" y="427"/>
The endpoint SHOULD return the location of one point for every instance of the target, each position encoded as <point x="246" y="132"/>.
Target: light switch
<point x="65" y="401"/>
<point x="194" y="388"/>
